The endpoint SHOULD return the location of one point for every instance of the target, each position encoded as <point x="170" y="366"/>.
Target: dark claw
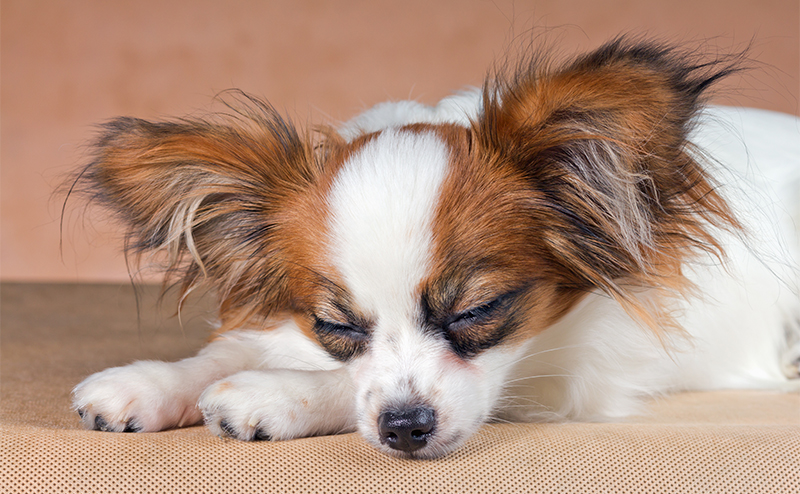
<point x="227" y="428"/>
<point x="100" y="424"/>
<point x="132" y="426"/>
<point x="262" y="435"/>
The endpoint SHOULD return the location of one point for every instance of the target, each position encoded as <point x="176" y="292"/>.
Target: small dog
<point x="549" y="247"/>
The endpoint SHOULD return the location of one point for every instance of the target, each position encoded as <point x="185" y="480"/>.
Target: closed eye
<point x="341" y="340"/>
<point x="475" y="315"/>
<point x="341" y="330"/>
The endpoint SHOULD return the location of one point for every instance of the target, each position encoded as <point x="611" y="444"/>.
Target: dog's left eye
<point x="479" y="328"/>
<point x="475" y="315"/>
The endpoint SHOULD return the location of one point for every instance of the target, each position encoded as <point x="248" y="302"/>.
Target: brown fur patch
<point x="486" y="246"/>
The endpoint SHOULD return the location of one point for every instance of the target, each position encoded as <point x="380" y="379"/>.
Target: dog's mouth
<point x="427" y="407"/>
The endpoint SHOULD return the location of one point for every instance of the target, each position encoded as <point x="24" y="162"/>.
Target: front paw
<point x="276" y="405"/>
<point x="142" y="397"/>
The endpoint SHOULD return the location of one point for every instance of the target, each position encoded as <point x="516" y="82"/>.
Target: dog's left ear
<point x="617" y="194"/>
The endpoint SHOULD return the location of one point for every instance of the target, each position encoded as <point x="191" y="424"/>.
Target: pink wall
<point x="67" y="65"/>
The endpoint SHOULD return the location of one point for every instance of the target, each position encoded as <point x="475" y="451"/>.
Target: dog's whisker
<point x="542" y="376"/>
<point x="535" y="354"/>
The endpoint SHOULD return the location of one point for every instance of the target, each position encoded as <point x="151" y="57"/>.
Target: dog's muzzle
<point x="407" y="429"/>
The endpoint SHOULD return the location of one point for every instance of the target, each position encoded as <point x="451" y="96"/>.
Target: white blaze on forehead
<point x="382" y="203"/>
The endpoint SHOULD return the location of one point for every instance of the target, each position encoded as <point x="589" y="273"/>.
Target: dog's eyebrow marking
<point x="336" y="296"/>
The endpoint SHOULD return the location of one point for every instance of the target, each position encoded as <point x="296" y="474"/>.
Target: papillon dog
<point x="559" y="244"/>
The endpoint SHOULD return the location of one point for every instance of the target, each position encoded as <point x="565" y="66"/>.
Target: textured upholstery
<point x="54" y="335"/>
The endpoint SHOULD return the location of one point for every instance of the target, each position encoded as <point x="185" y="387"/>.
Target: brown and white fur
<point x="549" y="247"/>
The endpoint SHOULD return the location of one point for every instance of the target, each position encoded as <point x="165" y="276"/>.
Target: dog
<point x="559" y="244"/>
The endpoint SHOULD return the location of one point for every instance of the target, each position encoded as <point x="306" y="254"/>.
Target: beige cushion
<point x="54" y="335"/>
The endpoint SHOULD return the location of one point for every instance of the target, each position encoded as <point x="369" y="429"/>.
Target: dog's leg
<point x="280" y="404"/>
<point x="150" y="396"/>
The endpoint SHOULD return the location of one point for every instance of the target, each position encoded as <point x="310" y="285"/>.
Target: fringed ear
<point x="206" y="192"/>
<point x="618" y="195"/>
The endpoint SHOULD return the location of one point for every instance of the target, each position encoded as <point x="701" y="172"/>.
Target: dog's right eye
<point x="339" y="329"/>
<point x="342" y="341"/>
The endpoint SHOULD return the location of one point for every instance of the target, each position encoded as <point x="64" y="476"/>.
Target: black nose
<point x="407" y="429"/>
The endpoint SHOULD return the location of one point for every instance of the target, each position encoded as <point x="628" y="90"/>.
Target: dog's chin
<point x="429" y="452"/>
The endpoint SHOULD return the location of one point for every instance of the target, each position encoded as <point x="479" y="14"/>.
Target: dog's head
<point x="425" y="256"/>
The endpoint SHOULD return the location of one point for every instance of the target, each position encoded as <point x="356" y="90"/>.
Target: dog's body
<point x="547" y="248"/>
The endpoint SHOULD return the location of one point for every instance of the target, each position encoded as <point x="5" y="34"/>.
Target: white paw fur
<point x="279" y="404"/>
<point x="145" y="396"/>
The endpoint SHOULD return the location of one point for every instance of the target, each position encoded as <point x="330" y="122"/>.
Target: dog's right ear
<point x="206" y="192"/>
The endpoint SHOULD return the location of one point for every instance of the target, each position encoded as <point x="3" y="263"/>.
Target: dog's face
<point x="425" y="256"/>
<point x="420" y="277"/>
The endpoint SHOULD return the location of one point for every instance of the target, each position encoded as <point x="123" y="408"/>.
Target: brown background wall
<point x="67" y="65"/>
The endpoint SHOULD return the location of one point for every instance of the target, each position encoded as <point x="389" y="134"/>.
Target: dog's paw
<point x="275" y="405"/>
<point x="145" y="396"/>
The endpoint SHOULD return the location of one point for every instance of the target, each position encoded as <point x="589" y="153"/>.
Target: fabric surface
<point x="53" y="336"/>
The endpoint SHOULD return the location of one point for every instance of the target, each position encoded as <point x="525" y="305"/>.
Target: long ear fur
<point x="206" y="192"/>
<point x="618" y="195"/>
